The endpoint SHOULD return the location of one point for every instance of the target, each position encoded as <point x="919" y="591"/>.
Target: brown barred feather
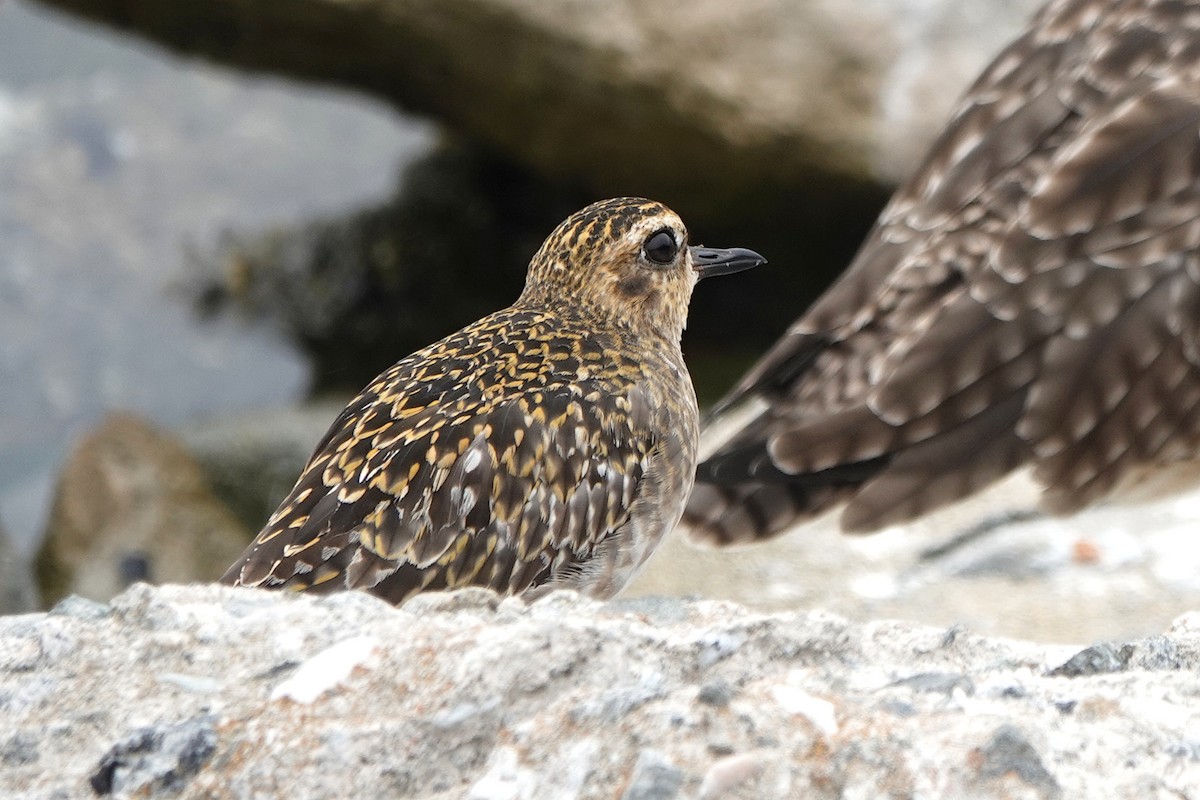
<point x="1030" y="296"/>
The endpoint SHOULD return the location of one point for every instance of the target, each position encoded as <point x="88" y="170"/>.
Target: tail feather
<point x="940" y="470"/>
<point x="724" y="515"/>
<point x="763" y="501"/>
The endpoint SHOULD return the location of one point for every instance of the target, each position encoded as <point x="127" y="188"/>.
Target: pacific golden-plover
<point x="1030" y="296"/>
<point x="551" y="444"/>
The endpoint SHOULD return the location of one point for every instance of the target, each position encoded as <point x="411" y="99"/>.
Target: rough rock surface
<point x="209" y="691"/>
<point x="668" y="98"/>
<point x="130" y="505"/>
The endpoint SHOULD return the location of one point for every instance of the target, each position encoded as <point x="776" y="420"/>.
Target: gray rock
<point x="131" y="505"/>
<point x="159" y="758"/>
<point x="1010" y="754"/>
<point x="19" y="749"/>
<point x="716" y="693"/>
<point x="80" y="607"/>
<point x="654" y="778"/>
<point x="200" y="691"/>
<point x="938" y="682"/>
<point x="690" y="93"/>
<point x="117" y="161"/>
<point x="1096" y="660"/>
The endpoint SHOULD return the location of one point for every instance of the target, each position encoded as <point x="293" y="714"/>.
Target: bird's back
<point x="1030" y="295"/>
<point x="508" y="455"/>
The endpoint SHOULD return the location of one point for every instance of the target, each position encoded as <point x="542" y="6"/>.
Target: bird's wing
<point x="1120" y="377"/>
<point x="1073" y="345"/>
<point x="447" y="486"/>
<point x="1054" y="223"/>
<point x="1020" y="101"/>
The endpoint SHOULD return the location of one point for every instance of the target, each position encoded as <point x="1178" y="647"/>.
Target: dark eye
<point x="661" y="247"/>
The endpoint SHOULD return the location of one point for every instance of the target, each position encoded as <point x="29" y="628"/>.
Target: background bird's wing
<point x="1011" y="110"/>
<point x="1054" y="222"/>
<point x="445" y="487"/>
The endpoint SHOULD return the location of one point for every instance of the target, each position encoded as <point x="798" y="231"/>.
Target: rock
<point x="1010" y="755"/>
<point x="156" y="758"/>
<point x="654" y="778"/>
<point x="1095" y="660"/>
<point x="201" y="691"/>
<point x="680" y="99"/>
<point x="125" y="158"/>
<point x="132" y="505"/>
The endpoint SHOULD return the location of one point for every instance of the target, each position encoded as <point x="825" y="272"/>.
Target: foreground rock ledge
<point x="204" y="691"/>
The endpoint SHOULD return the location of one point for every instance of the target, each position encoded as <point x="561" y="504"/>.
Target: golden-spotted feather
<point x="549" y="444"/>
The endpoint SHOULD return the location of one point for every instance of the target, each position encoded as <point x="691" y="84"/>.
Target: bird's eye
<point x="661" y="247"/>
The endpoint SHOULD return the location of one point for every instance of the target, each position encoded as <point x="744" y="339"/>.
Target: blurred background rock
<point x="230" y="215"/>
<point x="116" y="161"/>
<point x="132" y="505"/>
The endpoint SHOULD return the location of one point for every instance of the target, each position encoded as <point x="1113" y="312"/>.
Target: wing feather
<point x="1041" y="270"/>
<point x="448" y="486"/>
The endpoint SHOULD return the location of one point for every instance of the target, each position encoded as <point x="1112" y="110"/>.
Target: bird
<point x="1030" y="297"/>
<point x="548" y="445"/>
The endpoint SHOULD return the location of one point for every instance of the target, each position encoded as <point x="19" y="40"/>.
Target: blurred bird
<point x="1031" y="295"/>
<point x="551" y="444"/>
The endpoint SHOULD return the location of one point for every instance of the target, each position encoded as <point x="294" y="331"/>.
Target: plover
<point x="551" y="444"/>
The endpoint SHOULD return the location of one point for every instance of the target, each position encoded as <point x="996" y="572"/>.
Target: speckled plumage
<point x="551" y="443"/>
<point x="1031" y="295"/>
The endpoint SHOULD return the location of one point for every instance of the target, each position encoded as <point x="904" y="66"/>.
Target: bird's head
<point x="626" y="259"/>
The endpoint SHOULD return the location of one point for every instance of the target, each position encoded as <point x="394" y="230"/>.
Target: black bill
<point x="710" y="261"/>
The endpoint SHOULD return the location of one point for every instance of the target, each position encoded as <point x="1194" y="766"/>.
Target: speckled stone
<point x="201" y="691"/>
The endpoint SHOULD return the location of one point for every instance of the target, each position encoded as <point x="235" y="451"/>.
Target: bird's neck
<point x="627" y="323"/>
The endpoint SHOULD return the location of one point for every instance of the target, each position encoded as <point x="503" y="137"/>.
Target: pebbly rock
<point x="200" y="691"/>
